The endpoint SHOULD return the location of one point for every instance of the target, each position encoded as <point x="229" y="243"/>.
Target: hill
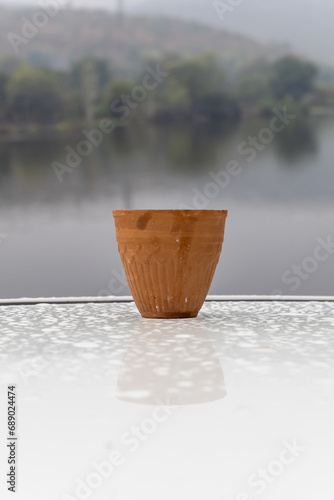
<point x="72" y="35"/>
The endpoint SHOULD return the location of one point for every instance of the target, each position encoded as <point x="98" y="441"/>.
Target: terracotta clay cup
<point x="169" y="258"/>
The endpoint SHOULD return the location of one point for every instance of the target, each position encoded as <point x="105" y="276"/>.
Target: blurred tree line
<point x="196" y="89"/>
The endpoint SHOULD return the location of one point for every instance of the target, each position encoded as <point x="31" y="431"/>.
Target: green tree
<point x="73" y="106"/>
<point x="253" y="82"/>
<point x="115" y="98"/>
<point x="173" y="101"/>
<point x="216" y="107"/>
<point x="11" y="64"/>
<point x="90" y="76"/>
<point x="192" y="90"/>
<point x="99" y="66"/>
<point x="3" y="96"/>
<point x="33" y="96"/>
<point x="292" y="76"/>
<point x="200" y="75"/>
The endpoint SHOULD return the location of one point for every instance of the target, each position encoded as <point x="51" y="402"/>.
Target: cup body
<point x="169" y="258"/>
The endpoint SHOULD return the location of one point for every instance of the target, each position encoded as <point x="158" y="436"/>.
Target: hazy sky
<point x="75" y="3"/>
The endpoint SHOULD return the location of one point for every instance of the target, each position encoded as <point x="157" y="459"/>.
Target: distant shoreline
<point x="13" y="133"/>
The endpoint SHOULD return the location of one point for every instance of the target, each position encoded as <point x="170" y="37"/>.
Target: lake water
<point x="58" y="239"/>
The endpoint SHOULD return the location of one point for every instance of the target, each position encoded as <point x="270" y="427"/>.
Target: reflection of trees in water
<point x="121" y="142"/>
<point x="196" y="147"/>
<point x="179" y="147"/>
<point x="133" y="153"/>
<point x="26" y="165"/>
<point x="178" y="366"/>
<point x="32" y="154"/>
<point x="191" y="149"/>
<point x="122" y="147"/>
<point x="149" y="150"/>
<point x="297" y="140"/>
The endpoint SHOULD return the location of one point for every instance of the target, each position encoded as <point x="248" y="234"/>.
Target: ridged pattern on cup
<point x="170" y="267"/>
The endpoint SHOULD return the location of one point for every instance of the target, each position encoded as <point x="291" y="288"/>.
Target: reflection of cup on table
<point x="170" y="363"/>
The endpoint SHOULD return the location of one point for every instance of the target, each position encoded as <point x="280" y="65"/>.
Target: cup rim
<point x="125" y="211"/>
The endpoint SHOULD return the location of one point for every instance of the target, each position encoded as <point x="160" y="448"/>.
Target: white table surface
<point x="237" y="404"/>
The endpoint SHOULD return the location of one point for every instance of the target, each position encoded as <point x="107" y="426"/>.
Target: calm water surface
<point x="57" y="238"/>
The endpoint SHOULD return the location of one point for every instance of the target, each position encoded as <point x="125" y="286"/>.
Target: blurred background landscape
<point x="145" y="105"/>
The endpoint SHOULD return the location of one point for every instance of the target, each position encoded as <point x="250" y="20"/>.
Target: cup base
<point x="169" y="315"/>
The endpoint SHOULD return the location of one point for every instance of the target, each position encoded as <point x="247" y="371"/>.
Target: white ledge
<point x="210" y="298"/>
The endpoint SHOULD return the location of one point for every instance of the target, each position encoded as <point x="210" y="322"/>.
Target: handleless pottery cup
<point x="169" y="258"/>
